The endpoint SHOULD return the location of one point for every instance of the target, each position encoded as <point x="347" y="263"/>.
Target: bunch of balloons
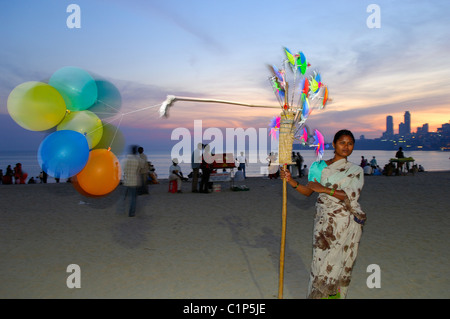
<point x="77" y="147"/>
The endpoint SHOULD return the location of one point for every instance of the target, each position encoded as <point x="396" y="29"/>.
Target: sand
<point x="218" y="245"/>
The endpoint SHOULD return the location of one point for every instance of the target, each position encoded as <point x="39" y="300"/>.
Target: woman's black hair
<point x="341" y="133"/>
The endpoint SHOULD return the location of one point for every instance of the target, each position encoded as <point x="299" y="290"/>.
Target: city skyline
<point x="421" y="139"/>
<point x="404" y="128"/>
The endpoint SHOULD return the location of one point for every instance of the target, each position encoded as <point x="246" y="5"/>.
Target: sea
<point x="257" y="166"/>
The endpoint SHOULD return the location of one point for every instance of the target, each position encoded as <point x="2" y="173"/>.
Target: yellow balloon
<point x="36" y="106"/>
<point x="85" y="122"/>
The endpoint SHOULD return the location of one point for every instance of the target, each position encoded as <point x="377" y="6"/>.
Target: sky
<point x="220" y="50"/>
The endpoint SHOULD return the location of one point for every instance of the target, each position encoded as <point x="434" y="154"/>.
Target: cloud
<point x="169" y="12"/>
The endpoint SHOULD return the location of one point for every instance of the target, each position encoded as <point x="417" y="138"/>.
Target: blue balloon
<point x="63" y="154"/>
<point x="77" y="87"/>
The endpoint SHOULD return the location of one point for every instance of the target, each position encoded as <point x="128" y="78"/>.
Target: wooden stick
<point x="163" y="110"/>
<point x="283" y="159"/>
<point x="283" y="238"/>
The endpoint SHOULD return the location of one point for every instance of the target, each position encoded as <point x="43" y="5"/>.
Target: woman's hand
<point x="285" y="174"/>
<point x="316" y="186"/>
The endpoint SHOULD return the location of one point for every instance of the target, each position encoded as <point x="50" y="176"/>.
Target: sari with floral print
<point x="337" y="231"/>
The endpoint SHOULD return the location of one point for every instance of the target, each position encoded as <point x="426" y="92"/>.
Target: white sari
<point x="337" y="231"/>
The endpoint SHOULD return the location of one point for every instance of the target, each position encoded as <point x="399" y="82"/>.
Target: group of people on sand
<point x="202" y="160"/>
<point x="14" y="176"/>
<point x="202" y="164"/>
<point x="372" y="167"/>
<point x="295" y="167"/>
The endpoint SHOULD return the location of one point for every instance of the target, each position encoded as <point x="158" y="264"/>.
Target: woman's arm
<point x="285" y="174"/>
<point x="319" y="188"/>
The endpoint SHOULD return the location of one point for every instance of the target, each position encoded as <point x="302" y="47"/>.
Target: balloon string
<point x="101" y="127"/>
<point x="120" y="121"/>
<point x="110" y="106"/>
<point x="117" y="128"/>
<point x="143" y="109"/>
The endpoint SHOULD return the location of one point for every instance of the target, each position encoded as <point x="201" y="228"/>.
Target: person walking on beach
<point x="339" y="219"/>
<point x="132" y="178"/>
<point x="144" y="170"/>
<point x="196" y="161"/>
<point x="206" y="169"/>
<point x="242" y="162"/>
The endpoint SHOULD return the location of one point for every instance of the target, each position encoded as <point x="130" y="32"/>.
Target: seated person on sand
<point x="239" y="176"/>
<point x="367" y="170"/>
<point x="19" y="175"/>
<point x="377" y="171"/>
<point x="176" y="174"/>
<point x="153" y="177"/>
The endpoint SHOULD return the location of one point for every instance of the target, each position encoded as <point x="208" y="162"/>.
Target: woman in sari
<point x="339" y="219"/>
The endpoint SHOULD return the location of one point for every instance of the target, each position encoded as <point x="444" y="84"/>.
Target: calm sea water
<point x="430" y="160"/>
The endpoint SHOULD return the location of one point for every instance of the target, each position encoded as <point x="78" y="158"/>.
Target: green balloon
<point x="36" y="106"/>
<point x="77" y="87"/>
<point x="84" y="122"/>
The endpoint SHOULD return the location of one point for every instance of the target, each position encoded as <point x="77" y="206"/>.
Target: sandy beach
<point x="219" y="245"/>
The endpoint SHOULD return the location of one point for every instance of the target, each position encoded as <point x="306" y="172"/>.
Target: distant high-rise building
<point x="405" y="127"/>
<point x="389" y="125"/>
<point x="423" y="129"/>
<point x="401" y="129"/>
<point x="407" y="122"/>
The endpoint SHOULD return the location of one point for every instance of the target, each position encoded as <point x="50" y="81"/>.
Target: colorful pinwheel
<point x="299" y="93"/>
<point x="319" y="143"/>
<point x="274" y="127"/>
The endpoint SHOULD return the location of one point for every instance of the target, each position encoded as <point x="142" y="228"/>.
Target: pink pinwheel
<point x="304" y="136"/>
<point x="274" y="127"/>
<point x="319" y="142"/>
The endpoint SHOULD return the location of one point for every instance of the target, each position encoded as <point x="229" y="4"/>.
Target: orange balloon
<point x="101" y="175"/>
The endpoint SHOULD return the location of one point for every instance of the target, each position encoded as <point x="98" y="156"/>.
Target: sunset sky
<point x="220" y="50"/>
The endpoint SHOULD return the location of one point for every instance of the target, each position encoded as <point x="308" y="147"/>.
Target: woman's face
<point x="343" y="146"/>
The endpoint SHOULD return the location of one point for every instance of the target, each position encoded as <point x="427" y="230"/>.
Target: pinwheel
<point x="304" y="136"/>
<point x="319" y="143"/>
<point x="274" y="126"/>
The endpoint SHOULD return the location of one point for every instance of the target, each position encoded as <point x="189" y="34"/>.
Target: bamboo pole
<point x="283" y="238"/>
<point x="284" y="157"/>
